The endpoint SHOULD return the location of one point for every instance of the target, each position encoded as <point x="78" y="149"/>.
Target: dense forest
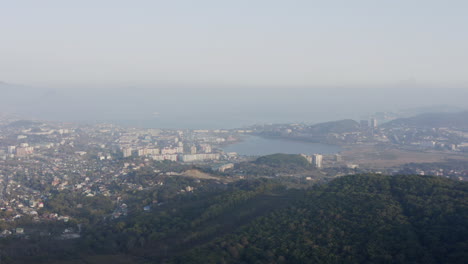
<point x="352" y="219"/>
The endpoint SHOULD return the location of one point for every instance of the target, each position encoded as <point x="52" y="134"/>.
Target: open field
<point x="199" y="175"/>
<point x="376" y="156"/>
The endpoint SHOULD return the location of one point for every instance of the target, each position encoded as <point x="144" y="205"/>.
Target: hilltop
<point x="353" y="219"/>
<point x="340" y="126"/>
<point x="282" y="160"/>
<point x="430" y="120"/>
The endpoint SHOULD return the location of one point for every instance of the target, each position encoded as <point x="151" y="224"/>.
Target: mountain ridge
<point x="433" y="120"/>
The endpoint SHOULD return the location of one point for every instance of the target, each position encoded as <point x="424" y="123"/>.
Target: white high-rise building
<point x="127" y="152"/>
<point x="11" y="149"/>
<point x="24" y="151"/>
<point x="206" y="148"/>
<point x="142" y="152"/>
<point x="193" y="150"/>
<point x="373" y="123"/>
<point x="317" y="160"/>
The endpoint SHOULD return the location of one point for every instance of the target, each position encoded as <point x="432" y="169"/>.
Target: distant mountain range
<point x="436" y="120"/>
<point x="23" y="100"/>
<point x="409" y="112"/>
<point x="192" y="106"/>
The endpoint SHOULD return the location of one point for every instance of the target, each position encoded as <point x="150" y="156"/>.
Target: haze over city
<point x="245" y="131"/>
<point x="255" y="61"/>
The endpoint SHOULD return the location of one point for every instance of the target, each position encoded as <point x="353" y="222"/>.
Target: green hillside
<point x="353" y="219"/>
<point x="340" y="126"/>
<point x="356" y="219"/>
<point x="282" y="160"/>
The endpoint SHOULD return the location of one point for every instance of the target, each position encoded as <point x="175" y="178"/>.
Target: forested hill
<point x="352" y="219"/>
<point x="457" y="120"/>
<point x="356" y="219"/>
<point x="341" y="126"/>
<point x="282" y="160"/>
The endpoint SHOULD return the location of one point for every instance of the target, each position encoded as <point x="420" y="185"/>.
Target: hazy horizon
<point x="228" y="64"/>
<point x="200" y="107"/>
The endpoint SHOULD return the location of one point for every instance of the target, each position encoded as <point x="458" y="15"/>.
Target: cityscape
<point x="41" y="158"/>
<point x="233" y="132"/>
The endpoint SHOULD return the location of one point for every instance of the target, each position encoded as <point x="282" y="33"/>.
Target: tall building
<point x="338" y="158"/>
<point x="127" y="152"/>
<point x="11" y="149"/>
<point x="198" y="157"/>
<point x="206" y="148"/>
<point x="161" y="157"/>
<point x="373" y="123"/>
<point x="171" y="150"/>
<point x="153" y="151"/>
<point x="24" y="151"/>
<point x="317" y="160"/>
<point x="142" y="152"/>
<point x="193" y="149"/>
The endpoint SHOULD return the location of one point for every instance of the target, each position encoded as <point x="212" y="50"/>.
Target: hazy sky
<point x="239" y="42"/>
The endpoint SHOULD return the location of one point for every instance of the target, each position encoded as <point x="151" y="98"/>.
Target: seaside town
<point x="233" y="132"/>
<point x="38" y="159"/>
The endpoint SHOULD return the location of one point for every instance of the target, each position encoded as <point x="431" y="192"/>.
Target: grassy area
<point x="377" y="157"/>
